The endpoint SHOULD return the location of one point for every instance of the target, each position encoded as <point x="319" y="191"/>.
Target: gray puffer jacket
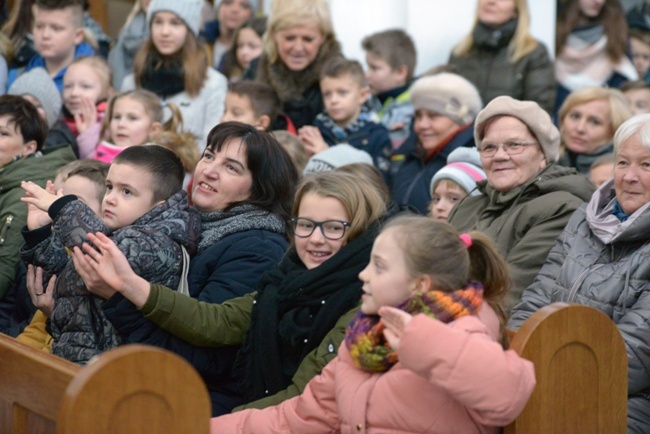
<point x="604" y="263"/>
<point x="152" y="244"/>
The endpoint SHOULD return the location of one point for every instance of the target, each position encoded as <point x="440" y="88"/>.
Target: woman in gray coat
<point x="602" y="260"/>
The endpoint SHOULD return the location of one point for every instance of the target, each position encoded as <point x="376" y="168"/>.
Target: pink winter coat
<point x="461" y="381"/>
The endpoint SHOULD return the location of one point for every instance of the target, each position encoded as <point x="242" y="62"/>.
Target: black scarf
<point x="294" y="309"/>
<point x="218" y="224"/>
<point x="493" y="38"/>
<point x="165" y="79"/>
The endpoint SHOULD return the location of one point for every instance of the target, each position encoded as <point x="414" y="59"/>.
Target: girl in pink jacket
<point x="422" y="355"/>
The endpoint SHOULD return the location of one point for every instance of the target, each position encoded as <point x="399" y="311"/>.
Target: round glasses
<point x="331" y="229"/>
<point x="511" y="148"/>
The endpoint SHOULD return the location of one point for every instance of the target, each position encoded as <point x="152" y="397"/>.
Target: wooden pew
<point x="581" y="369"/>
<point x="132" y="389"/>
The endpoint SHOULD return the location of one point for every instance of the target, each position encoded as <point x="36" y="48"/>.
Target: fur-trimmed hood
<point x="291" y="85"/>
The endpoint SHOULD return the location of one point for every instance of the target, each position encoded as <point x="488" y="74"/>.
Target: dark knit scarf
<point x="364" y="337"/>
<point x="294" y="309"/>
<point x="165" y="79"/>
<point x="291" y="85"/>
<point x="365" y="117"/>
<point x="493" y="38"/>
<point x="219" y="224"/>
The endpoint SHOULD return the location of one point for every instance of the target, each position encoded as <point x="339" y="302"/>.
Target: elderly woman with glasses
<point x="293" y="325"/>
<point x="601" y="260"/>
<point x="527" y="198"/>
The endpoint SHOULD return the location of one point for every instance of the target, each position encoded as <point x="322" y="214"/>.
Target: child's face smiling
<point x="343" y="98"/>
<point x="386" y="281"/>
<point x="128" y="197"/>
<point x="316" y="249"/>
<point x="81" y="82"/>
<point x="12" y="143"/>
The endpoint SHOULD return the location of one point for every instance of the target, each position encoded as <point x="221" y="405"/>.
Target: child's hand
<point x="38" y="202"/>
<point x="43" y="299"/>
<point x="395" y="321"/>
<point x="312" y="140"/>
<point x="87" y="117"/>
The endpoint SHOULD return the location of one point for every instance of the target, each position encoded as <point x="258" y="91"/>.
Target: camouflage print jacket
<point x="152" y="244"/>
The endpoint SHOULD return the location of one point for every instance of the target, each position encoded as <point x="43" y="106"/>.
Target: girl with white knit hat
<point x="173" y="64"/>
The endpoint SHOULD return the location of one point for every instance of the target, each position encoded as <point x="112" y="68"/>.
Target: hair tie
<point x="467" y="239"/>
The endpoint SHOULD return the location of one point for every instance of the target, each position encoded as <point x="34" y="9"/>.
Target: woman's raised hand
<point x="43" y="299"/>
<point x="107" y="270"/>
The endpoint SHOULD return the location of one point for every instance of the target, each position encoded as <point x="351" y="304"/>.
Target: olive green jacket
<point x="13" y="212"/>
<point x="212" y="325"/>
<point x="525" y="221"/>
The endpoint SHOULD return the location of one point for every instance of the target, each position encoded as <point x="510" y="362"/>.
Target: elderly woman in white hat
<point x="527" y="198"/>
<point x="601" y="260"/>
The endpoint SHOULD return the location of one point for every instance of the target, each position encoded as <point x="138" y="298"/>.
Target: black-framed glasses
<point x="331" y="229"/>
<point x="511" y="148"/>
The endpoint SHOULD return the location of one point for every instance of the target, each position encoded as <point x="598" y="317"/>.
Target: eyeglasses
<point x="331" y="229"/>
<point x="511" y="148"/>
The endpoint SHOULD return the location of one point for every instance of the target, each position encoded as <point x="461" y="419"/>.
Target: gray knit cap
<point x="254" y="4"/>
<point x="38" y="83"/>
<point x="447" y="94"/>
<point x="335" y="157"/>
<point x="187" y="10"/>
<point x="464" y="167"/>
<point x="528" y="112"/>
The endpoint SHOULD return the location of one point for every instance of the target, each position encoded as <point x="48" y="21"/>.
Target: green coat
<point x="525" y="221"/>
<point x="13" y="212"/>
<point x="224" y="324"/>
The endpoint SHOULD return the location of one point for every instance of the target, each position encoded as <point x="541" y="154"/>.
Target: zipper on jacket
<point x="5" y="228"/>
<point x="578" y="282"/>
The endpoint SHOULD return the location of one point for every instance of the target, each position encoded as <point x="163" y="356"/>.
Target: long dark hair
<point x="274" y="174"/>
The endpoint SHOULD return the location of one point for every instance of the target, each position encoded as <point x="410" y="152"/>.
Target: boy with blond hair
<point x="391" y="58"/>
<point x="58" y="38"/>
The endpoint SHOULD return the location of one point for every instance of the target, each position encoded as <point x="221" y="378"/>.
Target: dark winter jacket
<point x="209" y="324"/>
<point x="230" y="267"/>
<point x="152" y="244"/>
<point x="411" y="183"/>
<point x="604" y="263"/>
<point x="524" y="221"/>
<point x="489" y="68"/>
